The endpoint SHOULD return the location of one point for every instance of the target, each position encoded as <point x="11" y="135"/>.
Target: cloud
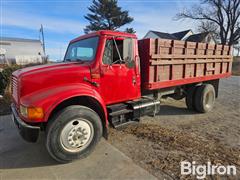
<point x="62" y="26"/>
<point x="56" y="53"/>
<point x="56" y="49"/>
<point x="30" y="21"/>
<point x="157" y="15"/>
<point x="158" y="21"/>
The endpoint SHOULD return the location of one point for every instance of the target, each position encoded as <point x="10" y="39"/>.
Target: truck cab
<point x="114" y="67"/>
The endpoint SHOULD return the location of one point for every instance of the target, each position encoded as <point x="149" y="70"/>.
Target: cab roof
<point x="104" y="32"/>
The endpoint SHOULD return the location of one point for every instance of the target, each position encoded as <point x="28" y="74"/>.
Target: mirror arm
<point x="117" y="49"/>
<point x="137" y="64"/>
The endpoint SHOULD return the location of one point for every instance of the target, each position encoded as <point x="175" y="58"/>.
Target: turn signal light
<point x="95" y="76"/>
<point x="35" y="113"/>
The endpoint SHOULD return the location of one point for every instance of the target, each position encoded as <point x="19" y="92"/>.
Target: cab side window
<point x="118" y="51"/>
<point x="128" y="50"/>
<point x="108" y="52"/>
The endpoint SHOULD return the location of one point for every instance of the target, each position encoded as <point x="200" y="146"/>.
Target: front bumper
<point x="28" y="132"/>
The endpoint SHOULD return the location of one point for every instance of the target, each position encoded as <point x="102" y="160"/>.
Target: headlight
<point x="31" y="112"/>
<point x="23" y="111"/>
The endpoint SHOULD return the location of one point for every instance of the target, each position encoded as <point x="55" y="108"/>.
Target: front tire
<point x="73" y="133"/>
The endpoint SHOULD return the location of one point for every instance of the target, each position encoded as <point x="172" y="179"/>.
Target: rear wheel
<point x="73" y="133"/>
<point x="190" y="98"/>
<point x="204" y="98"/>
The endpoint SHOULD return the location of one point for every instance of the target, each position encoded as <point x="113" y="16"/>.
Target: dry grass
<point x="167" y="148"/>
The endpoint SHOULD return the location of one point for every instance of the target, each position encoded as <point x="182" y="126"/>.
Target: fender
<point x="49" y="98"/>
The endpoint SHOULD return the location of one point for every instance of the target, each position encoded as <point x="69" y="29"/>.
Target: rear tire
<point x="73" y="133"/>
<point x="190" y="100"/>
<point x="204" y="98"/>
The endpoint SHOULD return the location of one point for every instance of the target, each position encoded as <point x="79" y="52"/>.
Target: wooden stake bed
<point x="166" y="63"/>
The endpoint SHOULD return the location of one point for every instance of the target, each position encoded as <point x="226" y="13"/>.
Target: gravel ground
<point x="236" y="66"/>
<point x="159" y="144"/>
<point x="4" y="107"/>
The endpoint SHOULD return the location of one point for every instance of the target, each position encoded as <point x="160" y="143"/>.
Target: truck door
<point x="118" y="75"/>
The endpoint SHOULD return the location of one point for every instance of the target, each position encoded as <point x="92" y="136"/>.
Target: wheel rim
<point x="209" y="99"/>
<point x="76" y="135"/>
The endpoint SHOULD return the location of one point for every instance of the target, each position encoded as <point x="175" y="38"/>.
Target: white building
<point x="20" y="51"/>
<point x="236" y="50"/>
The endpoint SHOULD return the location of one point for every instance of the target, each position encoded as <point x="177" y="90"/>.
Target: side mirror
<point x="130" y="63"/>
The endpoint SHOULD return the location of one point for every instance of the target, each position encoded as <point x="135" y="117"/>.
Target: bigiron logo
<point x="201" y="171"/>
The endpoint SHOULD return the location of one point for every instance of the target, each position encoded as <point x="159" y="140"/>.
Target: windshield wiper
<point x="72" y="60"/>
<point x="79" y="60"/>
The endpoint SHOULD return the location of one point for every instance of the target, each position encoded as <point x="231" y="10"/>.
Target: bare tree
<point x="238" y="50"/>
<point x="220" y="16"/>
<point x="209" y="27"/>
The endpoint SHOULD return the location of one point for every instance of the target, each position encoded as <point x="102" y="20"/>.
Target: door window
<point x="108" y="52"/>
<point x="118" y="51"/>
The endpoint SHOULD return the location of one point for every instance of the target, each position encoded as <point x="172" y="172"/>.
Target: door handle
<point x="91" y="82"/>
<point x="134" y="80"/>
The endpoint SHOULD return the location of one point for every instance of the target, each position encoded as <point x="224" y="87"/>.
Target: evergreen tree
<point x="106" y="15"/>
<point x="130" y="30"/>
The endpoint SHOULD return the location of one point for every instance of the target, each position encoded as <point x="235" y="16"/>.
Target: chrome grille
<point x="15" y="88"/>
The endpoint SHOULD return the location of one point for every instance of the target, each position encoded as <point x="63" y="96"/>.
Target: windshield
<point x="83" y="50"/>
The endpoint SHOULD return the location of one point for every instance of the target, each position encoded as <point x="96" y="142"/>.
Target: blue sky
<point x="64" y="20"/>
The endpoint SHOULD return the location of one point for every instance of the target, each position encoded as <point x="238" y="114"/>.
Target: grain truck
<point x="111" y="78"/>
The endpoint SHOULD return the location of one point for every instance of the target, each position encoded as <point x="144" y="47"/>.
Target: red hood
<point x="40" y="68"/>
<point x="34" y="78"/>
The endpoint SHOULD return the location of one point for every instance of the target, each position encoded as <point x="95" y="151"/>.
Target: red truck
<point x="112" y="78"/>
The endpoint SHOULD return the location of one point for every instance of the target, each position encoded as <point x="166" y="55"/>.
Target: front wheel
<point x="73" y="133"/>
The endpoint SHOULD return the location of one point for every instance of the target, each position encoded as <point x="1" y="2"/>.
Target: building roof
<point x="197" y="37"/>
<point x="164" y="35"/>
<point x="19" y="39"/>
<point x="181" y="34"/>
<point x="174" y="36"/>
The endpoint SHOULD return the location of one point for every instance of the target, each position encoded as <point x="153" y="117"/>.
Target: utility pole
<point x="43" y="41"/>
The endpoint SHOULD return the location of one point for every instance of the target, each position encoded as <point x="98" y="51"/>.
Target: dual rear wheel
<point x="201" y="98"/>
